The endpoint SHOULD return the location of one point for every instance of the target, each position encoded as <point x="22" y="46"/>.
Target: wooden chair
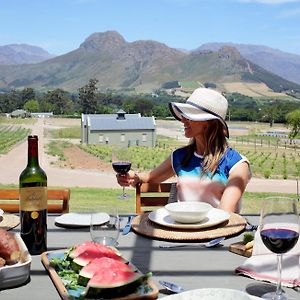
<point x="151" y="195"/>
<point x="58" y="200"/>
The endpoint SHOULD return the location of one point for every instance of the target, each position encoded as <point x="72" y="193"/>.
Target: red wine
<point x="279" y="240"/>
<point x="34" y="232"/>
<point x="33" y="201"/>
<point x="121" y="167"/>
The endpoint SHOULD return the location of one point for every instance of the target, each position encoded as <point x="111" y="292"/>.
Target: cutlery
<point x="209" y="244"/>
<point x="170" y="286"/>
<point x="127" y="227"/>
<point x="251" y="227"/>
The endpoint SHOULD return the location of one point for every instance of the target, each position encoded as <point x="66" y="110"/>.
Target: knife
<point x="127" y="227"/>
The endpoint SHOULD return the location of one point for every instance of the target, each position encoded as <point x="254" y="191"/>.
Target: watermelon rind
<point x="115" y="290"/>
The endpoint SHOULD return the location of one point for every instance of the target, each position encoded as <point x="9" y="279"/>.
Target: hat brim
<point x="194" y="114"/>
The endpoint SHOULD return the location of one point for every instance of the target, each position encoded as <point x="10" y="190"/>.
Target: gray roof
<point x="18" y="112"/>
<point x="111" y="116"/>
<point x="108" y="123"/>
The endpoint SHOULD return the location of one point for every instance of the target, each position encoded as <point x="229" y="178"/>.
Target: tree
<point x="293" y="121"/>
<point x="61" y="103"/>
<point x="27" y="94"/>
<point x="31" y="106"/>
<point x="87" y="97"/>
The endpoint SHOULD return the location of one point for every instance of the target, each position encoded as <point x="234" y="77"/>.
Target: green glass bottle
<point x="33" y="201"/>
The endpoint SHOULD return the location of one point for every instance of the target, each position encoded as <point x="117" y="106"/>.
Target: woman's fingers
<point x="124" y="179"/>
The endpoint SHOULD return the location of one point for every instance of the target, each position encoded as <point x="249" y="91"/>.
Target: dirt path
<point x="92" y="173"/>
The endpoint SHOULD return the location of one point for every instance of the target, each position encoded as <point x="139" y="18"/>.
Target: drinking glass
<point x="279" y="231"/>
<point x="105" y="225"/>
<point x="121" y="163"/>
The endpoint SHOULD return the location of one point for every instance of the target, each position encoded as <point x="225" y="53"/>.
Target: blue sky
<point x="60" y="26"/>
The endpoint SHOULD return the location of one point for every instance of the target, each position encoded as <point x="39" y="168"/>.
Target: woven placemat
<point x="9" y="221"/>
<point x="141" y="224"/>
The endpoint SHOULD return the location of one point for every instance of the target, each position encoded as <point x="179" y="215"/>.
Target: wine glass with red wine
<point x="121" y="163"/>
<point x="279" y="231"/>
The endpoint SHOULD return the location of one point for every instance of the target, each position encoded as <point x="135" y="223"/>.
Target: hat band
<point x="204" y="109"/>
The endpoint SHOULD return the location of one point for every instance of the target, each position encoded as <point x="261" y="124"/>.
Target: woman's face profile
<point x="194" y="129"/>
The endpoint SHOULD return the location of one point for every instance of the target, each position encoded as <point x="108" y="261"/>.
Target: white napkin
<point x="262" y="265"/>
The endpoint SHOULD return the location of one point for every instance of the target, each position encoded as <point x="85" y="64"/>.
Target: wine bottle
<point x="33" y="201"/>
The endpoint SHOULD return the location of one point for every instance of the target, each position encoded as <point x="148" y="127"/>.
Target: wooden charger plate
<point x="63" y="292"/>
<point x="141" y="224"/>
<point x="9" y="221"/>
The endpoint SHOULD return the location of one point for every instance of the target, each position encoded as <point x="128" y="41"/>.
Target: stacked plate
<point x="214" y="217"/>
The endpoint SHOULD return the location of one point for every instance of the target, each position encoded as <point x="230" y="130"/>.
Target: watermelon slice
<point x="90" y="252"/>
<point x="114" y="283"/>
<point x="100" y="265"/>
<point x="112" y="278"/>
<point x="91" y="246"/>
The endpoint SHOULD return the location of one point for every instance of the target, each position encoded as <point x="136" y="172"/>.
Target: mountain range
<point x="15" y="54"/>
<point x="286" y="65"/>
<point x="146" y="65"/>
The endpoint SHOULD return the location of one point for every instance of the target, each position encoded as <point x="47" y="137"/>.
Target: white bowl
<point x="188" y="212"/>
<point x="17" y="274"/>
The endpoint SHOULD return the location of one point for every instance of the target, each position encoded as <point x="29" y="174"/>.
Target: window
<point x="144" y="137"/>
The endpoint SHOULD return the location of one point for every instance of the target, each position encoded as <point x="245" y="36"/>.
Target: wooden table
<point x="192" y="268"/>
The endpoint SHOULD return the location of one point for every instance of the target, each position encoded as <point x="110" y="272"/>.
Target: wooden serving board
<point x="64" y="294"/>
<point x="240" y="249"/>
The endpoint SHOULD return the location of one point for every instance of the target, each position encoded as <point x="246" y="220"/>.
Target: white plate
<point x="214" y="217"/>
<point x="18" y="273"/>
<point x="212" y="294"/>
<point x="80" y="219"/>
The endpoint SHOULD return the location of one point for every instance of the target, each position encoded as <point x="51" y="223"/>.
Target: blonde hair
<point x="215" y="145"/>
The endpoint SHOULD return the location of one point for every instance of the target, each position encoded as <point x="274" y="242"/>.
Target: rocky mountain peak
<point x="103" y="41"/>
<point x="229" y="52"/>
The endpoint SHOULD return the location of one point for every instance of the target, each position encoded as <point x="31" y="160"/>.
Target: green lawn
<point x="87" y="197"/>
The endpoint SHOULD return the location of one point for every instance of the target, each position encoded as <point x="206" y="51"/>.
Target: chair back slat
<point x="150" y="196"/>
<point x="58" y="200"/>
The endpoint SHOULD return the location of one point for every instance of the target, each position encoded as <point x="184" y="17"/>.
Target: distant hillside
<point x="140" y="65"/>
<point x="281" y="63"/>
<point x="22" y="54"/>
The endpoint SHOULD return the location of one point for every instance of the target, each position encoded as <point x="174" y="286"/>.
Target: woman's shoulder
<point x="231" y="155"/>
<point x="181" y="150"/>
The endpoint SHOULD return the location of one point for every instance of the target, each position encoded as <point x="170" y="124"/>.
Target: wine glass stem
<point x="279" y="271"/>
<point x="124" y="195"/>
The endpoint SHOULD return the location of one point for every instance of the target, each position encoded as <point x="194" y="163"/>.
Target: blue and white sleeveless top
<point x="227" y="163"/>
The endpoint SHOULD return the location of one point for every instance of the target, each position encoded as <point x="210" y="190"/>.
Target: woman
<point x="221" y="173"/>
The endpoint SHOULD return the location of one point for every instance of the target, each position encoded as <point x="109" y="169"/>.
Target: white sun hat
<point x="203" y="105"/>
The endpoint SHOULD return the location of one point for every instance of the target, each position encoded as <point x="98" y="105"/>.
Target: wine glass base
<point x="260" y="288"/>
<point x="274" y="296"/>
<point x="124" y="197"/>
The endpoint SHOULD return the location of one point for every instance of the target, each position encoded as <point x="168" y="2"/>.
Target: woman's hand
<point x="130" y="178"/>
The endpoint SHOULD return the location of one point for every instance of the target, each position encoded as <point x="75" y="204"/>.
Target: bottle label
<point x="33" y="198"/>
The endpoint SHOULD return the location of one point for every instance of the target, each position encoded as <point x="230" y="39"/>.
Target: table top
<point x="192" y="268"/>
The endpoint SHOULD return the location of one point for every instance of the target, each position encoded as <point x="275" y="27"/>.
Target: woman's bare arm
<point x="159" y="174"/>
<point x="235" y="188"/>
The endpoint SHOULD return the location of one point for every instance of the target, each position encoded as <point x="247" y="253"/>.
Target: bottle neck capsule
<point x="33" y="155"/>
